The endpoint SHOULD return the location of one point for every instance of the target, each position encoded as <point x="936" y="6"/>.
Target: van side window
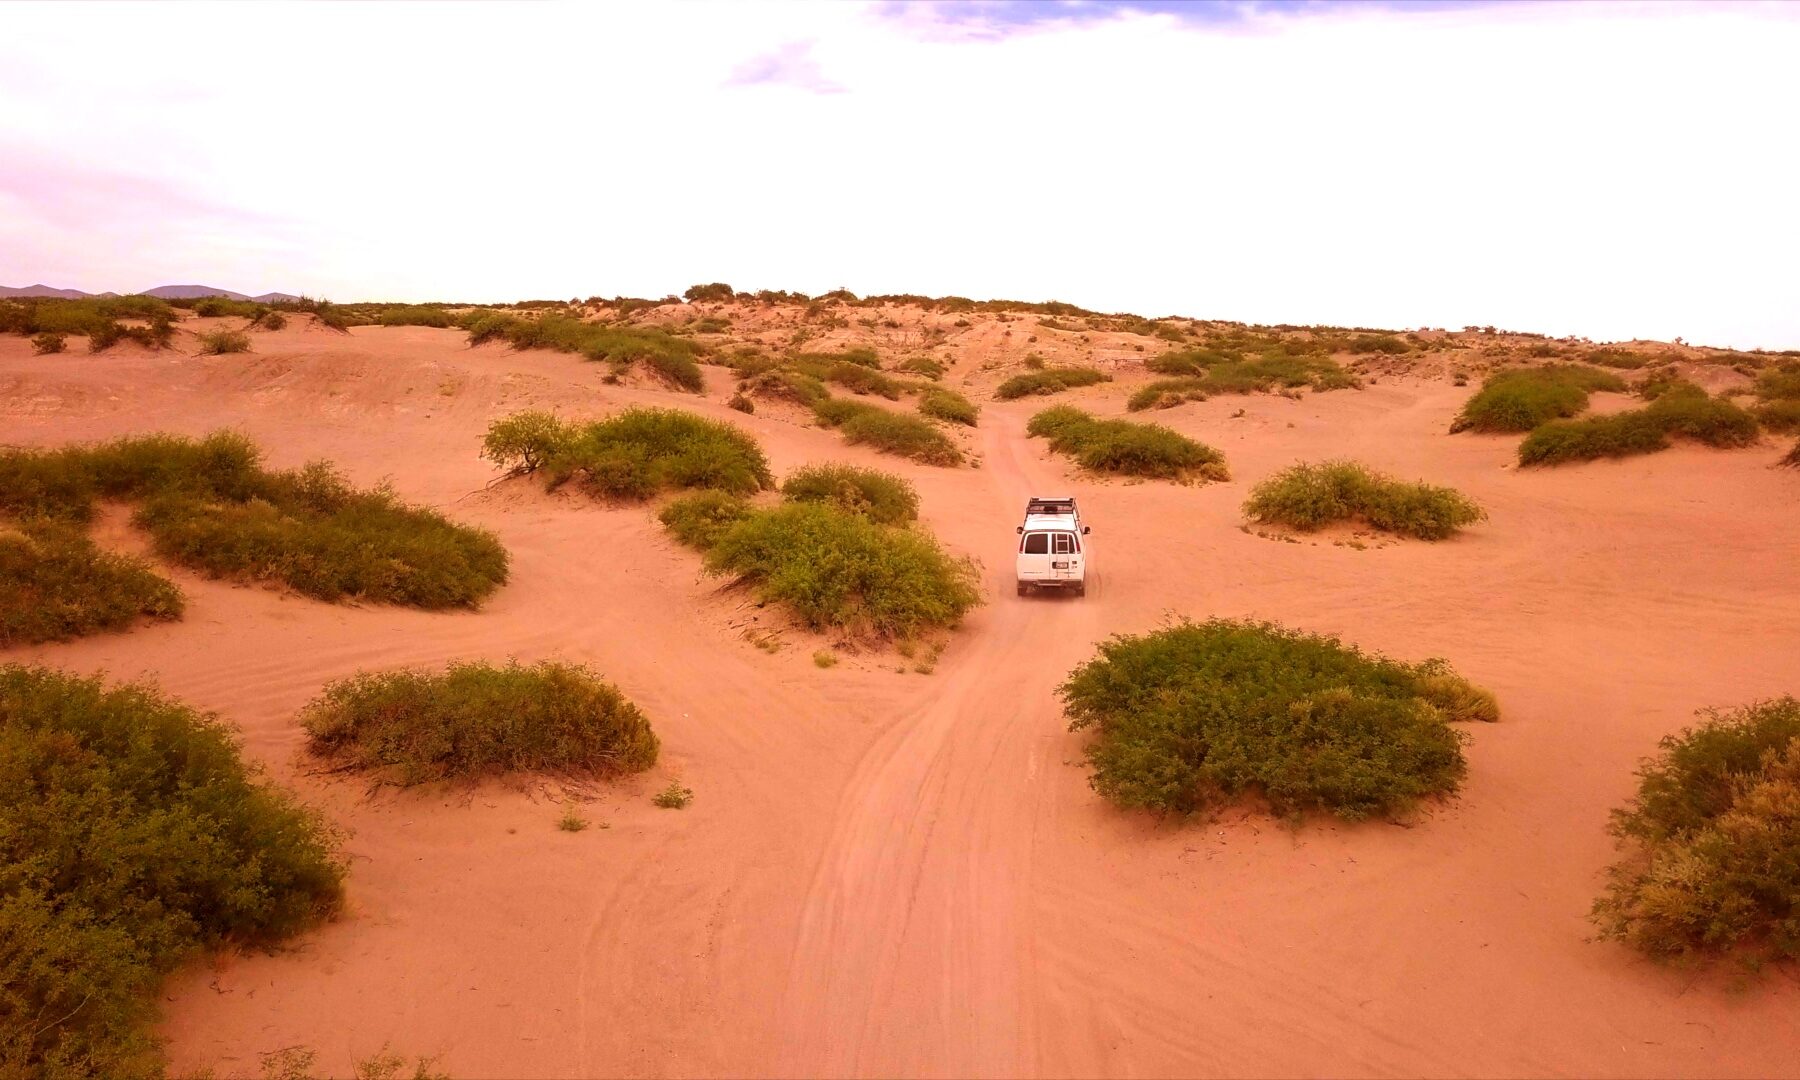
<point x="1037" y="543"/>
<point x="1065" y="543"/>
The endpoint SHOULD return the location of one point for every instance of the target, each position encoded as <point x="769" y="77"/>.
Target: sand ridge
<point x="898" y="874"/>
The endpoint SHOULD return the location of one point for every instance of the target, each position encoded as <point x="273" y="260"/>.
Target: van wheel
<point x="1024" y="589"/>
<point x="1081" y="589"/>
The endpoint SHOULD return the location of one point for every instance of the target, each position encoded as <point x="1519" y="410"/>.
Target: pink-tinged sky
<point x="1614" y="170"/>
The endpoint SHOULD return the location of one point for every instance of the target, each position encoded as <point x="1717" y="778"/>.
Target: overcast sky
<point x="1614" y="170"/>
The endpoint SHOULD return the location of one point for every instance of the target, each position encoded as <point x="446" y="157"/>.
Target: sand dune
<point x="898" y="874"/>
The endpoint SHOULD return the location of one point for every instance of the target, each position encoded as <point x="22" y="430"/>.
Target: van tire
<point x="1081" y="589"/>
<point x="1024" y="589"/>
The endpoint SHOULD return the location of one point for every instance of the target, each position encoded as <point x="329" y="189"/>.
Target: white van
<point x="1052" y="547"/>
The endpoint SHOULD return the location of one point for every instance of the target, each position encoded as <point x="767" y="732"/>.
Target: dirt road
<point x="892" y="873"/>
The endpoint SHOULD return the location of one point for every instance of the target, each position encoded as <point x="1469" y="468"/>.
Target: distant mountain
<point x="274" y="298"/>
<point x="191" y="292"/>
<point x="43" y="290"/>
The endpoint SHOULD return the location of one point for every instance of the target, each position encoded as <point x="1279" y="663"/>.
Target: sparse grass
<point x="889" y="432"/>
<point x="1711" y="842"/>
<point x="46" y="344"/>
<point x="881" y="497"/>
<point x="1692" y="415"/>
<point x="673" y="797"/>
<point x="825" y="658"/>
<point x="858" y="379"/>
<point x="296" y="1063"/>
<point x="1204" y="373"/>
<point x="780" y="385"/>
<point x="220" y="341"/>
<point x="1199" y="715"/>
<point x="1778" y="384"/>
<point x="632" y="455"/>
<point x="1309" y="497"/>
<point x="1781" y="417"/>
<point x="571" y="820"/>
<point x="925" y="366"/>
<point x="56" y="585"/>
<point x="478" y="720"/>
<point x="210" y="505"/>
<point x="942" y="403"/>
<point x="1125" y="447"/>
<point x="699" y="519"/>
<point x="1049" y="381"/>
<point x="132" y="838"/>
<point x="842" y="571"/>
<point x="1522" y="400"/>
<point x="672" y="358"/>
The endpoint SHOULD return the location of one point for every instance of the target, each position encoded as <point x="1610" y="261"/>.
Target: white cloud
<point x="1609" y="170"/>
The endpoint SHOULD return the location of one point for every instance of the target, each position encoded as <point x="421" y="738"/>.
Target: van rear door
<point x="1065" y="555"/>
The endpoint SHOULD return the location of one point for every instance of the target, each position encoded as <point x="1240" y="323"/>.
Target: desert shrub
<point x="1781" y="417"/>
<point x="1201" y="373"/>
<point x="1308" y="497"/>
<point x="1201" y="714"/>
<point x="926" y="366"/>
<point x="632" y="455"/>
<point x="220" y="307"/>
<point x="740" y="402"/>
<point x="208" y="504"/>
<point x="710" y="325"/>
<point x="1524" y="399"/>
<point x="862" y="380"/>
<point x="1048" y="381"/>
<point x="46" y="343"/>
<point x="216" y="342"/>
<point x="132" y="837"/>
<point x="1711" y="842"/>
<point x="1626" y="359"/>
<point x="801" y="389"/>
<point x="717" y="291"/>
<point x="1186" y="361"/>
<point x="699" y="519"/>
<point x="674" y="797"/>
<point x="1363" y="344"/>
<point x="1641" y="431"/>
<point x="475" y="720"/>
<point x="56" y="585"/>
<point x="668" y="356"/>
<point x="881" y="497"/>
<point x="1127" y="448"/>
<point x="416" y="315"/>
<point x="88" y="316"/>
<point x="1778" y="384"/>
<point x="943" y="403"/>
<point x="889" y="432"/>
<point x="861" y="357"/>
<point x="273" y="320"/>
<point x="842" y="571"/>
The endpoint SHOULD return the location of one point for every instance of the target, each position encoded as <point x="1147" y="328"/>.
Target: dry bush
<point x="1309" y="497"/>
<point x="1127" y="448"/>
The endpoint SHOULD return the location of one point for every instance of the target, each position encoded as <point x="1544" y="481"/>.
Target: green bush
<point x="1529" y="397"/>
<point x="794" y="386"/>
<point x="901" y="435"/>
<point x="476" y="720"/>
<point x="1202" y="373"/>
<point x="1781" y="417"/>
<point x="1778" y="384"/>
<point x="881" y="497"/>
<point x="861" y="357"/>
<point x="217" y="342"/>
<point x="88" y="316"/>
<point x="945" y="404"/>
<point x="670" y="357"/>
<point x="1048" y="381"/>
<point x="416" y="315"/>
<point x="1127" y="448"/>
<point x="47" y="343"/>
<point x="132" y="838"/>
<point x="1711" y="842"/>
<point x="1626" y="359"/>
<point x="221" y="307"/>
<point x="1202" y="714"/>
<point x="208" y="504"/>
<point x="926" y="366"/>
<point x="1641" y="431"/>
<point x="1363" y="344"/>
<point x="1309" y="497"/>
<point x="56" y="585"/>
<point x="862" y="380"/>
<point x="842" y="571"/>
<point x="699" y="519"/>
<point x="632" y="455"/>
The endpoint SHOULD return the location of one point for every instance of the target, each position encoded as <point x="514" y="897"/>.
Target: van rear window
<point x="1036" y="543"/>
<point x="1051" y="543"/>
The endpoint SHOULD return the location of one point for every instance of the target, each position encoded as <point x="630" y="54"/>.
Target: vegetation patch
<point x="210" y="505"/>
<point x="1308" y="497"/>
<point x="669" y="356"/>
<point x="862" y="380"/>
<point x="433" y="315"/>
<point x="1711" y="842"/>
<point x="1203" y="373"/>
<point x="132" y="838"/>
<point x="699" y="519"/>
<point x="632" y="455"/>
<point x="1125" y="447"/>
<point x="1049" y="381"/>
<point x="1792" y="458"/>
<point x="1687" y="413"/>
<point x="476" y="720"/>
<point x="1513" y="401"/>
<point x="925" y="366"/>
<point x="56" y="585"/>
<point x="889" y="432"/>
<point x="47" y="344"/>
<point x="217" y="342"/>
<point x="942" y="403"/>
<point x="881" y="497"/>
<point x="839" y="570"/>
<point x="1200" y="715"/>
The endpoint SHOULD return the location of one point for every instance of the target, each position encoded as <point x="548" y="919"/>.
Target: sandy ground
<point x="892" y="873"/>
